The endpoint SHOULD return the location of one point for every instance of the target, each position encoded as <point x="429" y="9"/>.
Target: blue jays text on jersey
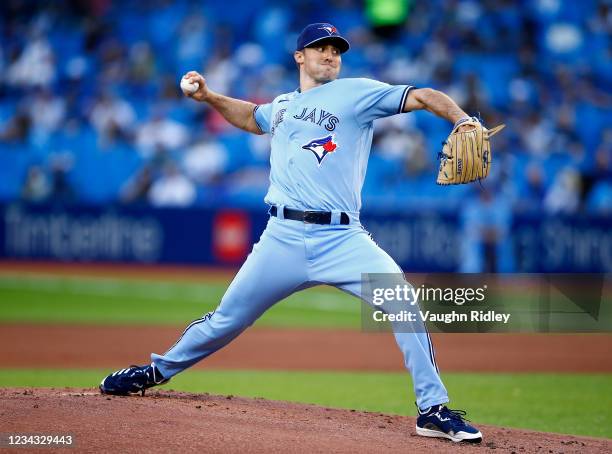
<point x="312" y="116"/>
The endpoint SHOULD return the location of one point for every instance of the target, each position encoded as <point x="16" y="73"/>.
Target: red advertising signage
<point x="231" y="236"/>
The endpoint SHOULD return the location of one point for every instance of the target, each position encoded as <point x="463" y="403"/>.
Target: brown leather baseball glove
<point x="466" y="156"/>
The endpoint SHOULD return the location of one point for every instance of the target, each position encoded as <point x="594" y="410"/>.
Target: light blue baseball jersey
<point x="321" y="140"/>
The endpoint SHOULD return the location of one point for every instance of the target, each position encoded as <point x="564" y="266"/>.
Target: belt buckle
<point x="310" y="217"/>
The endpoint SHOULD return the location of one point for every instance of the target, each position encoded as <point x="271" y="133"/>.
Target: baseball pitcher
<point x="321" y="135"/>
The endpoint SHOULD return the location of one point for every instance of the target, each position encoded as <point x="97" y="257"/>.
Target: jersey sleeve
<point x="374" y="99"/>
<point x="262" y="114"/>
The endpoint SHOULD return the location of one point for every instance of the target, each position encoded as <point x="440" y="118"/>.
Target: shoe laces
<point x="455" y="415"/>
<point x="127" y="370"/>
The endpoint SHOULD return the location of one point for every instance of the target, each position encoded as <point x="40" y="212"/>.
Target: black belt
<point x="310" y="217"/>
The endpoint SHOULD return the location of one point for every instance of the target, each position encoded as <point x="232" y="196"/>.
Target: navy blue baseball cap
<point x="322" y="31"/>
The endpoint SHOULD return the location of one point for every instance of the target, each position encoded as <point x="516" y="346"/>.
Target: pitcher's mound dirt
<point x="170" y="421"/>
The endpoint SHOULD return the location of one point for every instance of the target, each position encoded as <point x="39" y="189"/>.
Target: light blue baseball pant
<point x="291" y="256"/>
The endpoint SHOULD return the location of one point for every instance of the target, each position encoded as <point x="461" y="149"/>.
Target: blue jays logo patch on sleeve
<point x="322" y="147"/>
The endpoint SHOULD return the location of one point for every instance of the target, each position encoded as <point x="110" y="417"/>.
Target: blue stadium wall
<point x="427" y="242"/>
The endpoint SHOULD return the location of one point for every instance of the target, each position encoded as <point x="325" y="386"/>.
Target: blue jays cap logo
<point x="329" y="29"/>
<point x="322" y="147"/>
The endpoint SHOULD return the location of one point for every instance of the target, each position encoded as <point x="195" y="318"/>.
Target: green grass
<point x="47" y="298"/>
<point x="578" y="404"/>
<point x="91" y="300"/>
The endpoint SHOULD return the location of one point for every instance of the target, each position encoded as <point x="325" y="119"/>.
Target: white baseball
<point x="189" y="87"/>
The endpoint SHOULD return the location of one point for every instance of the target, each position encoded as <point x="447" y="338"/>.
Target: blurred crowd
<point x="91" y="112"/>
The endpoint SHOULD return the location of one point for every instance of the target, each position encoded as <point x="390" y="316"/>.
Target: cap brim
<point x="338" y="41"/>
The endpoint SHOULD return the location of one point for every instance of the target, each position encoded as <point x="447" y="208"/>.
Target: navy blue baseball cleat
<point x="441" y="422"/>
<point x="132" y="380"/>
